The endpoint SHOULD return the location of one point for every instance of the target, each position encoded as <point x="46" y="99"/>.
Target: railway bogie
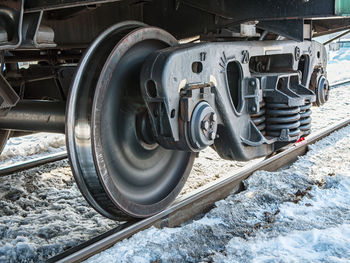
<point x="139" y="87"/>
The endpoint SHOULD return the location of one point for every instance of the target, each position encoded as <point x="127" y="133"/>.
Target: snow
<point x="43" y="213"/>
<point x="340" y="55"/>
<point x="301" y="213"/>
<point x="316" y="245"/>
<point x="338" y="65"/>
<point x="31" y="146"/>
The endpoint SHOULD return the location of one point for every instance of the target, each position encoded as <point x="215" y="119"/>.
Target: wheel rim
<point x="117" y="171"/>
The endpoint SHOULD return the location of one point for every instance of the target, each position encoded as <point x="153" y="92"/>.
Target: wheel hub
<point x="322" y="91"/>
<point x="203" y="125"/>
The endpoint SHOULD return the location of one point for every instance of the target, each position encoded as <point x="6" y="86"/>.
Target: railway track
<point x="20" y="166"/>
<point x="339" y="83"/>
<point x="191" y="205"/>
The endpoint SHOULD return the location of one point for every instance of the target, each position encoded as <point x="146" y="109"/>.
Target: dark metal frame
<point x="238" y="137"/>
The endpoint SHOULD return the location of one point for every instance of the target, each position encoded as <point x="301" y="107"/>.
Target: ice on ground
<point x="335" y="57"/>
<point x="316" y="245"/>
<point x="31" y="146"/>
<point x="298" y="214"/>
<point x="43" y="213"/>
<point x="338" y="71"/>
<point x="338" y="68"/>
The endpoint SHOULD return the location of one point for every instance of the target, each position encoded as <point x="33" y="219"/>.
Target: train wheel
<point x="118" y="167"/>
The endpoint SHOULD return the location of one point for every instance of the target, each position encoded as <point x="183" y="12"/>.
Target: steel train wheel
<point x="120" y="173"/>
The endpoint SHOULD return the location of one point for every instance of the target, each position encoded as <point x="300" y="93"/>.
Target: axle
<point x="35" y="115"/>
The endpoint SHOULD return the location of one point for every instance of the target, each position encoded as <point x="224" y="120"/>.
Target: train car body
<point x="140" y="87"/>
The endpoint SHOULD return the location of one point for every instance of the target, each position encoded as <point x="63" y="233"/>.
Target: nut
<point x="212" y="135"/>
<point x="205" y="125"/>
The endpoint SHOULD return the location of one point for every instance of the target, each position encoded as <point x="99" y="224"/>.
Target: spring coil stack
<point x="285" y="107"/>
<point x="259" y="118"/>
<point x="305" y="118"/>
<point x="281" y="117"/>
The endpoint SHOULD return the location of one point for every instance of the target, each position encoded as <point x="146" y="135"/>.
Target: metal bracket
<point x="11" y="15"/>
<point x="8" y="97"/>
<point x="35" y="34"/>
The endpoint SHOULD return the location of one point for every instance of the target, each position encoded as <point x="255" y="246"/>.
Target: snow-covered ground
<point x="338" y="67"/>
<point x="31" y="146"/>
<point x="42" y="212"/>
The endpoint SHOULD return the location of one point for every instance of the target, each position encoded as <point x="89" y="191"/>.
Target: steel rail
<point x="195" y="203"/>
<point x="336" y="37"/>
<point x="24" y="165"/>
<point x="339" y="83"/>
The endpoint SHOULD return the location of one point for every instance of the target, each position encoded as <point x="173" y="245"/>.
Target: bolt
<point x="253" y="108"/>
<point x="310" y="51"/>
<point x="297" y="53"/>
<point x="202" y="56"/>
<point x="205" y="125"/>
<point x="252" y="83"/>
<point x="212" y="135"/>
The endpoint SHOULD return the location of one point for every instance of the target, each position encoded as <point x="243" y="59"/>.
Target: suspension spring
<point x="305" y="118"/>
<point x="259" y="118"/>
<point x="281" y="117"/>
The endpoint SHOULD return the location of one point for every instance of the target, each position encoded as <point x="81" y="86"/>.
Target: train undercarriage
<point x="140" y="87"/>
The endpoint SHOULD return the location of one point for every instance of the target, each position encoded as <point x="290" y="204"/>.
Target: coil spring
<point x="305" y="119"/>
<point x="259" y="118"/>
<point x="282" y="117"/>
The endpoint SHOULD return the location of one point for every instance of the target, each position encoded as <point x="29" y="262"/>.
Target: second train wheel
<point x="119" y="169"/>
